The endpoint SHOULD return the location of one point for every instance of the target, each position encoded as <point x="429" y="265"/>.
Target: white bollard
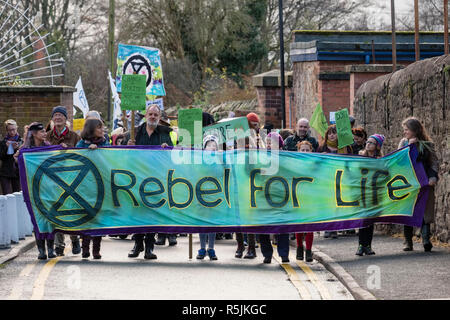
<point x="21" y="222"/>
<point x="12" y="217"/>
<point x="28" y="223"/>
<point x="5" y="239"/>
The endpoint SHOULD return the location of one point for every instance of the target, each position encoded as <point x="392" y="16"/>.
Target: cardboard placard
<point x="133" y="92"/>
<point x="78" y="124"/>
<point x="344" y="128"/>
<point x="190" y="125"/>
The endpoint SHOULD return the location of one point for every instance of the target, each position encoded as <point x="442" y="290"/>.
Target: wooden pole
<point x="416" y="28"/>
<point x="190" y="245"/>
<point x="446" y="26"/>
<point x="111" y="53"/>
<point x="394" y="42"/>
<point x="133" y="116"/>
<point x="283" y="89"/>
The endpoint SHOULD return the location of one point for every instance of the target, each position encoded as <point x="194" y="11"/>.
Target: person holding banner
<point x="304" y="146"/>
<point x="36" y="137"/>
<point x="274" y="141"/>
<point x="148" y="134"/>
<point x="62" y="135"/>
<point x="301" y="134"/>
<point x="92" y="137"/>
<point x="9" y="172"/>
<point x="210" y="143"/>
<point x="415" y="133"/>
<point x="330" y="145"/>
<point x="365" y="235"/>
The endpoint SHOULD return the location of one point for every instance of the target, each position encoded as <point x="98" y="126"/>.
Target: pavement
<point x="391" y="274"/>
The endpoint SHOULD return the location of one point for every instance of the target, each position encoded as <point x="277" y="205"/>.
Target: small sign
<point x="229" y="130"/>
<point x="344" y="129"/>
<point x="190" y="125"/>
<point x="133" y="92"/>
<point x="78" y="124"/>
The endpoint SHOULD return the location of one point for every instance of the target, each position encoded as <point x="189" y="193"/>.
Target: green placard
<point x="318" y="121"/>
<point x="190" y="125"/>
<point x="344" y="129"/>
<point x="229" y="130"/>
<point x="133" y="92"/>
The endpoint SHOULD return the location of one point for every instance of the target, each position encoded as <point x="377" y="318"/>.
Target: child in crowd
<point x="304" y="146"/>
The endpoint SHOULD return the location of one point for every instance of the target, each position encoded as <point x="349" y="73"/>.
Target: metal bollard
<point x="5" y="239"/>
<point x="21" y="222"/>
<point x="11" y="209"/>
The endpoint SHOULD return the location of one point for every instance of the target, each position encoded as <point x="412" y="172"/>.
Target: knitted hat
<point x="379" y="138"/>
<point x="60" y="109"/>
<point x="208" y="138"/>
<point x="252" y="117"/>
<point x="275" y="136"/>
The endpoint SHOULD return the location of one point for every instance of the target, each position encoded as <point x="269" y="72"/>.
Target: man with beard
<point x="301" y="134"/>
<point x="149" y="133"/>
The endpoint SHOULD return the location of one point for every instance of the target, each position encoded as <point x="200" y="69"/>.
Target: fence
<point x="15" y="222"/>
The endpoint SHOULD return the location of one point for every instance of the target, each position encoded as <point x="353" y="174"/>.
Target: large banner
<point x="140" y="189"/>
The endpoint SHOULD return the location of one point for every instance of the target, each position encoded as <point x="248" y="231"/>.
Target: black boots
<point x="41" y="247"/>
<point x="408" y="232"/>
<point x="161" y="239"/>
<point x="251" y="252"/>
<point x="76" y="249"/>
<point x="50" y="251"/>
<point x="172" y="240"/>
<point x="299" y="253"/>
<point x="309" y="256"/>
<point x="149" y="249"/>
<point x="138" y="248"/>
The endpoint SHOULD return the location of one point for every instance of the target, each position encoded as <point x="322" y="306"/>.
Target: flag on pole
<point x="318" y="121"/>
<point x="117" y="112"/>
<point x="79" y="98"/>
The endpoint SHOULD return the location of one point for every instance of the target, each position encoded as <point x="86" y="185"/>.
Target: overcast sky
<point x="402" y="8"/>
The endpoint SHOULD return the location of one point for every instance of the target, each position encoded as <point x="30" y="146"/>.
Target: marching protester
<point x="60" y="134"/>
<point x="273" y="141"/>
<point x="301" y="134"/>
<point x="9" y="172"/>
<point x="210" y="143"/>
<point x="92" y="137"/>
<point x="36" y="137"/>
<point x="149" y="133"/>
<point x="360" y="137"/>
<point x="172" y="237"/>
<point x="372" y="150"/>
<point x="415" y="133"/>
<point x="330" y="145"/>
<point x="304" y="146"/>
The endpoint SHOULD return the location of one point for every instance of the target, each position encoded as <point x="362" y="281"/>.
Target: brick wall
<point x="29" y="104"/>
<point x="421" y="90"/>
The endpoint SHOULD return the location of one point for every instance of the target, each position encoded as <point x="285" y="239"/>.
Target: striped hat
<point x="379" y="138"/>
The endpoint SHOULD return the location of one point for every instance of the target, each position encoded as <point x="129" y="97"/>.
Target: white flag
<point x="117" y="112"/>
<point x="79" y="98"/>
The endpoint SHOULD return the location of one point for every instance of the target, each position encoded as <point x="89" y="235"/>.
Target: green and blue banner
<point x="137" y="189"/>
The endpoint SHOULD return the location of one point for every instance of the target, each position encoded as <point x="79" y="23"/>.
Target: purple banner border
<point x="414" y="220"/>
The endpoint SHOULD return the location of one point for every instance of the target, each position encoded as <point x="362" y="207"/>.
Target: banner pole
<point x="190" y="246"/>
<point x="133" y="115"/>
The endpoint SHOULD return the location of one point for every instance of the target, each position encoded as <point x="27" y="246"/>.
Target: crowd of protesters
<point x="156" y="131"/>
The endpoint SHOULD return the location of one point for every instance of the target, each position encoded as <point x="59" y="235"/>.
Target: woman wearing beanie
<point x="36" y="137"/>
<point x="415" y="133"/>
<point x="372" y="150"/>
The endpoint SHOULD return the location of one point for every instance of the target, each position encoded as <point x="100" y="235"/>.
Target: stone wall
<point x="422" y="90"/>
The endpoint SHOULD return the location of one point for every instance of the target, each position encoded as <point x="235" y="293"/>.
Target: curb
<point x="21" y="248"/>
<point x="343" y="276"/>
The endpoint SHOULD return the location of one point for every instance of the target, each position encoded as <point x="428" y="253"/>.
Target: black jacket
<point x="291" y="142"/>
<point x="159" y="136"/>
<point x="8" y="167"/>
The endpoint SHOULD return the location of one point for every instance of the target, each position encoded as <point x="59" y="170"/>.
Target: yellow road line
<point x="296" y="281"/>
<point x="314" y="279"/>
<point x="39" y="284"/>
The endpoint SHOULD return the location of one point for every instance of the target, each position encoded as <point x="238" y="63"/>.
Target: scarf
<point x="334" y="144"/>
<point x="15" y="138"/>
<point x="97" y="141"/>
<point x="63" y="133"/>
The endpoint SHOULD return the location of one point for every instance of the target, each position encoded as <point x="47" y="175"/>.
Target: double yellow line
<point x="305" y="294"/>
